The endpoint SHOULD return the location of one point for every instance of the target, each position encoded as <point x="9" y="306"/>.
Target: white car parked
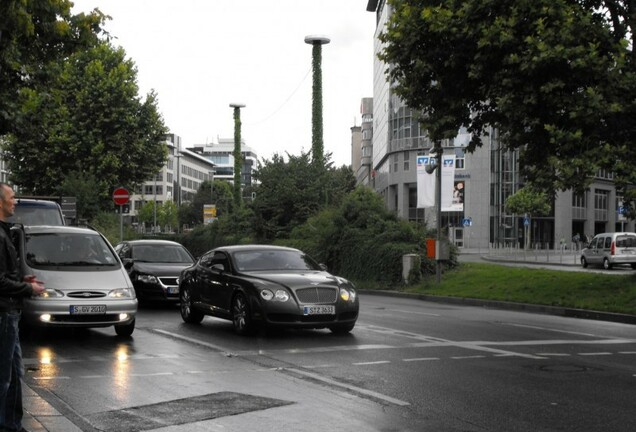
<point x="609" y="249"/>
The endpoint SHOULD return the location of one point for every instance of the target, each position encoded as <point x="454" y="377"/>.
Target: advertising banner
<point x="448" y="179"/>
<point x="425" y="183"/>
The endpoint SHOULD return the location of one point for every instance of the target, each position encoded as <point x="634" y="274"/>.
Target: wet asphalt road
<point x="409" y="365"/>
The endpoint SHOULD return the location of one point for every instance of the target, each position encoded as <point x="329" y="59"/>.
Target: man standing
<point x="13" y="287"/>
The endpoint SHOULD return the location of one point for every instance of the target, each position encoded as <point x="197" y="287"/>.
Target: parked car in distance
<point x="37" y="212"/>
<point x="154" y="267"/>
<point x="266" y="286"/>
<point x="610" y="249"/>
<point x="86" y="283"/>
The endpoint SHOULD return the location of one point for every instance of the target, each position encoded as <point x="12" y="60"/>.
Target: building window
<point x="407" y="162"/>
<point x="148" y="190"/>
<point x="579" y="200"/>
<point x="394" y="158"/>
<point x="460" y="162"/>
<point x="601" y="199"/>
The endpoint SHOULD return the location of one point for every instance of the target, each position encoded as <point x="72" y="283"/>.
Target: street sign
<point x="526" y="221"/>
<point x="467" y="222"/>
<point x="121" y="196"/>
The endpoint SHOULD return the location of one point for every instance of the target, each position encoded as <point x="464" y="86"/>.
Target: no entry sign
<point x="121" y="196"/>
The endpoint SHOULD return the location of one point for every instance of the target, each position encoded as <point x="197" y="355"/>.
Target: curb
<point x="525" y="307"/>
<point x="516" y="261"/>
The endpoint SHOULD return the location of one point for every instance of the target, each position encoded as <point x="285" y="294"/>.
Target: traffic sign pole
<point x="121" y="198"/>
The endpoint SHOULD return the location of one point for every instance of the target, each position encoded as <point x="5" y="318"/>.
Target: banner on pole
<point x="425" y="183"/>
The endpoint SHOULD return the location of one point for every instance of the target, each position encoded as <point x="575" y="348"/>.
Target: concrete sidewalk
<point x="40" y="416"/>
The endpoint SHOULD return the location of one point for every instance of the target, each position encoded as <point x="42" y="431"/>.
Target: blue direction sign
<point x="467" y="222"/>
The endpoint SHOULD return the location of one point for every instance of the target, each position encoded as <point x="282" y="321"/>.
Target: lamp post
<point x="317" y="146"/>
<point x="437" y="149"/>
<point x="177" y="155"/>
<point x="154" y="223"/>
<point x="237" y="153"/>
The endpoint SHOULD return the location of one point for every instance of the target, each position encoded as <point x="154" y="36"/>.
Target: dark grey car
<point x="154" y="267"/>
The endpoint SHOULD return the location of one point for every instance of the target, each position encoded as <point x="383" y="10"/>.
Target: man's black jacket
<point x="12" y="286"/>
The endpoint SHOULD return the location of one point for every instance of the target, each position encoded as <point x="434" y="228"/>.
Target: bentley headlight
<point x="121" y="293"/>
<point x="267" y="295"/>
<point x="282" y="295"/>
<point x="348" y="294"/>
<point x="147" y="278"/>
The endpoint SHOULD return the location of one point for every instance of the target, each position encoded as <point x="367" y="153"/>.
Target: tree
<point x="289" y="192"/>
<point x="34" y="34"/>
<point x="530" y="202"/>
<point x="221" y="195"/>
<point x="167" y="214"/>
<point x="90" y="120"/>
<point x="556" y="77"/>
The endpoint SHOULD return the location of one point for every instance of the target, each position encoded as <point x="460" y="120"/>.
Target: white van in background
<point x="30" y="212"/>
<point x="610" y="249"/>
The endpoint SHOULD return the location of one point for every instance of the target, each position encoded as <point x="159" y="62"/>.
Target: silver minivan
<point x="609" y="249"/>
<point x="86" y="283"/>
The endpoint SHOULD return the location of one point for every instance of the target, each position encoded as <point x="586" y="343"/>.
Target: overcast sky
<point x="201" y="55"/>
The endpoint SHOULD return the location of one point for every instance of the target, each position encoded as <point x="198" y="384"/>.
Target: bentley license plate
<point x="88" y="309"/>
<point x="319" y="310"/>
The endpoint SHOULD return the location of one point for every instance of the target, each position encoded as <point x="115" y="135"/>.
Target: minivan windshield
<point x="68" y="249"/>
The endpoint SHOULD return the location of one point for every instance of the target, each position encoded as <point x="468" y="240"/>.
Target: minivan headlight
<point x="121" y="293"/>
<point x="51" y="293"/>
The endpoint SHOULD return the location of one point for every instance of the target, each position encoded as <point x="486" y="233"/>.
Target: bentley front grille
<point x="317" y="295"/>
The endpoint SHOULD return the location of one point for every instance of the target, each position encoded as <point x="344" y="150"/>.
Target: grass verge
<point x="592" y="291"/>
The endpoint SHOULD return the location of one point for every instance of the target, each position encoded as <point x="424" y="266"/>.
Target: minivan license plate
<point x="319" y="310"/>
<point x="88" y="309"/>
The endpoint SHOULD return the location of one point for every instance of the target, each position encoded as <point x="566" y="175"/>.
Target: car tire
<point x="342" y="329"/>
<point x="125" y="330"/>
<point x="241" y="315"/>
<point x="188" y="313"/>
<point x="606" y="264"/>
<point x="583" y="262"/>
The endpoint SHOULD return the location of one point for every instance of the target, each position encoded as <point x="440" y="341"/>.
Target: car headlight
<point x="147" y="278"/>
<point x="51" y="293"/>
<point x="280" y="295"/>
<point x="267" y="295"/>
<point x="121" y="293"/>
<point x="348" y="294"/>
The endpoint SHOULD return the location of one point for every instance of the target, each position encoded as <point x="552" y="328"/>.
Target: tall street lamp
<point x="317" y="146"/>
<point x="237" y="153"/>
<point x="437" y="149"/>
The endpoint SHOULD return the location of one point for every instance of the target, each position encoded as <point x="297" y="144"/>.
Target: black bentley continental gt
<point x="266" y="286"/>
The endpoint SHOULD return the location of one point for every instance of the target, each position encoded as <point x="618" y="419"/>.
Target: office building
<point x="488" y="177"/>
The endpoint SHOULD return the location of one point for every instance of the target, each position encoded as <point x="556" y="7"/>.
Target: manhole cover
<point x="181" y="411"/>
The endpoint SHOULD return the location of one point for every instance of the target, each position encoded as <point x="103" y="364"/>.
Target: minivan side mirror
<point x="128" y="262"/>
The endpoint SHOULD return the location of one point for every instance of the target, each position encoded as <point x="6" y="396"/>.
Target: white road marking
<point x="627" y="352"/>
<point x="371" y="363"/>
<point x="467" y="357"/>
<point x="553" y="354"/>
<point x="550" y="329"/>
<point x="420" y="359"/>
<point x="52" y="378"/>
<point x="595" y="353"/>
<point x="350" y="387"/>
<point x="413" y="312"/>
